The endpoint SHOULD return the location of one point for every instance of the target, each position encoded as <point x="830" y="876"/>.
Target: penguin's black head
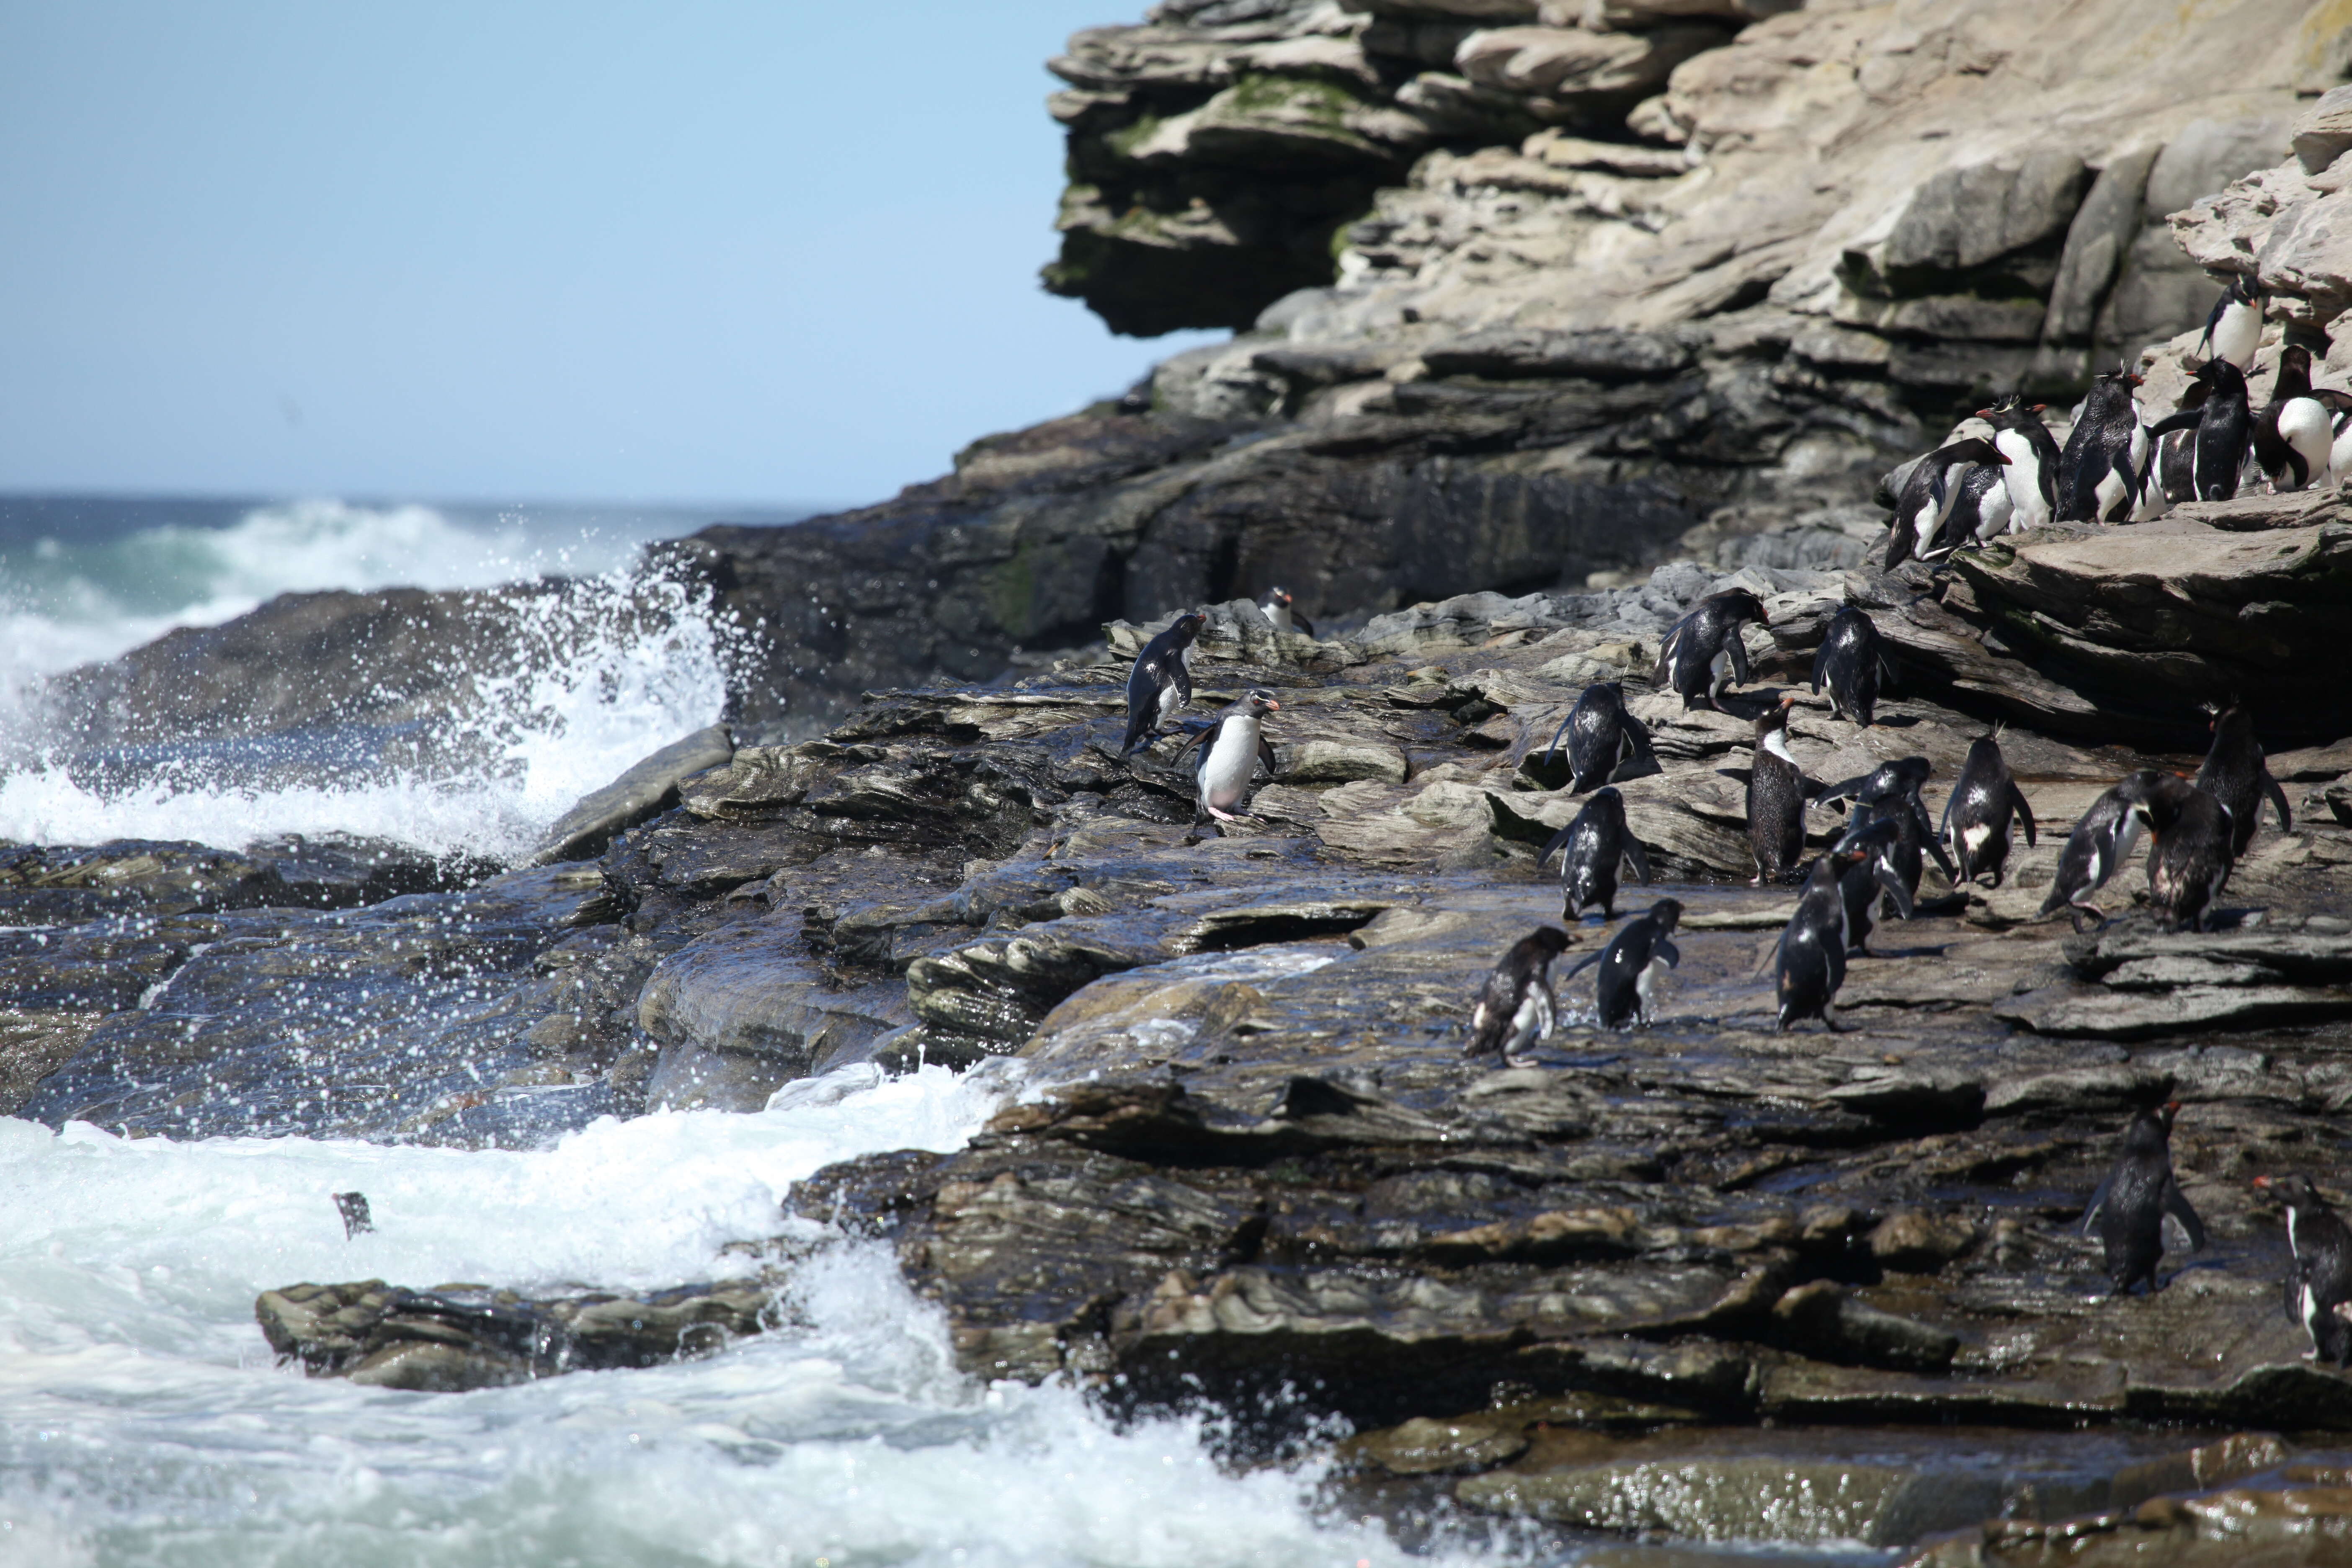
<point x="1774" y="718"/>
<point x="2242" y="289"/>
<point x="1552" y="939"/>
<point x="1875" y="833"/>
<point x="2151" y="1130"/>
<point x="1900" y="776"/>
<point x="1605" y="803"/>
<point x="1734" y="605"/>
<point x="1667" y="914"/>
<point x="2293" y="1189"/>
<point x="1608" y="694"/>
<point x="1278" y="596"/>
<point x="1188" y="625"/>
<point x="1259" y="701"/>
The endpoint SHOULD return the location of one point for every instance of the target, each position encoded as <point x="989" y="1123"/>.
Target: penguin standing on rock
<point x="2098" y="472"/>
<point x="1890" y="793"/>
<point x="1981" y="515"/>
<point x="1515" y="1005"/>
<point x="1776" y="788"/>
<point x="1809" y="966"/>
<point x="2033" y="455"/>
<point x="2233" y="331"/>
<point x="2216" y="408"/>
<point x="1162" y="681"/>
<point x="2296" y="432"/>
<point x="1868" y="884"/>
<point x="2127" y="1211"/>
<point x="2100" y="846"/>
<point x="1278" y="608"/>
<point x="1633" y="965"/>
<point x="1704" y="645"/>
<point x="1850" y="663"/>
<point x="1930" y="494"/>
<point x="2320" y="1285"/>
<point x="1594" y="843"/>
<point x="1231" y="748"/>
<point x="1602" y="736"/>
<point x="1978" y="813"/>
<point x="2189" y="863"/>
<point x="2236" y="774"/>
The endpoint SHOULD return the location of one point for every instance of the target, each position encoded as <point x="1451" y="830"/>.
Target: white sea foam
<point x="141" y="1422"/>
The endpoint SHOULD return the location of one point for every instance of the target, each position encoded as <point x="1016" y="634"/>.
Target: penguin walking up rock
<point x="2236" y="774"/>
<point x="2294" y="435"/>
<point x="2033" y="455"/>
<point x="1632" y="964"/>
<point x="1808" y="967"/>
<point x="1160" y="684"/>
<point x="1850" y="663"/>
<point x="2216" y="409"/>
<point x="2100" y="846"/>
<point x="1592" y="846"/>
<point x="1890" y="792"/>
<point x="1601" y="735"/>
<point x="2098" y="471"/>
<point x="1232" y="749"/>
<point x="2128" y="1210"/>
<point x="1279" y="610"/>
<point x="2189" y="862"/>
<point x="1515" y="1005"/>
<point x="1703" y="653"/>
<point x="1869" y="884"/>
<point x="1930" y="493"/>
<point x="1977" y="815"/>
<point x="2233" y="329"/>
<point x="1776" y="788"/>
<point x="2319" y="1285"/>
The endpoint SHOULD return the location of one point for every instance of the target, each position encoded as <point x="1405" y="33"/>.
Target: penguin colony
<point x="2113" y="467"/>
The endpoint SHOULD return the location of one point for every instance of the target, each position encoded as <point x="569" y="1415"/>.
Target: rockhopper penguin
<point x="2296" y="432"/>
<point x="2319" y="1284"/>
<point x="1515" y="1005"/>
<point x="1891" y="791"/>
<point x="2098" y="473"/>
<point x="1230" y="749"/>
<point x="1704" y="645"/>
<point x="2189" y="863"/>
<point x="1633" y="963"/>
<point x="1849" y="664"/>
<point x="1776" y="788"/>
<point x="2233" y="330"/>
<point x="1594" y="844"/>
<point x="2098" y="848"/>
<point x="2127" y="1212"/>
<point x="1279" y="610"/>
<point x="1930" y="495"/>
<point x="1602" y="736"/>
<point x="1978" y="811"/>
<point x="2216" y="408"/>
<point x="1867" y="885"/>
<point x="2236" y="774"/>
<point x="2019" y="436"/>
<point x="1810" y="966"/>
<point x="1162" y="681"/>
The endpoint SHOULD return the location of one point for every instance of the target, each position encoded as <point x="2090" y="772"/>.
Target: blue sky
<point x="775" y="252"/>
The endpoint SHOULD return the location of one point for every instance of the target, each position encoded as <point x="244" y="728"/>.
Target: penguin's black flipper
<point x="2024" y="812"/>
<point x="1640" y="861"/>
<point x="1553" y="847"/>
<point x="1636" y="734"/>
<point x="1896" y="893"/>
<point x="2175" y="1204"/>
<point x="2098" y="1201"/>
<point x="1587" y="961"/>
<point x="1551" y="752"/>
<point x="1266" y="753"/>
<point x="1737" y="649"/>
<point x="1179" y="676"/>
<point x="2186" y="417"/>
<point x="1302" y="623"/>
<point x="1670" y="953"/>
<point x="2278" y="801"/>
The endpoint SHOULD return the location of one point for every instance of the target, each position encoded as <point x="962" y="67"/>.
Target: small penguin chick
<point x="1162" y="681"/>
<point x="2319" y="1282"/>
<point x="1516" y="1007"/>
<point x="2128" y="1209"/>
<point x="1633" y="965"/>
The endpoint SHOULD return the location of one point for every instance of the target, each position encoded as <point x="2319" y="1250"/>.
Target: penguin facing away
<point x="2233" y="329"/>
<point x="1981" y="515"/>
<point x="2235" y="773"/>
<point x="1870" y="884"/>
<point x="1776" y="788"/>
<point x="1891" y="791"/>
<point x="2101" y="844"/>
<point x="1592" y="845"/>
<point x="1702" y="653"/>
<point x="2217" y="410"/>
<point x="2019" y="435"/>
<point x="1602" y="736"/>
<point x="1930" y="495"/>
<point x="2319" y="1283"/>
<point x="1278" y="609"/>
<point x="1162" y="681"/>
<point x="2189" y="861"/>
<point x="2099" y="469"/>
<point x="1232" y="749"/>
<point x="2295" y="434"/>
<point x="1850" y="663"/>
<point x="2128" y="1210"/>
<point x="1515" y="1005"/>
<point x="1808" y="965"/>
<point x="1635" y="960"/>
<point x="1978" y="813"/>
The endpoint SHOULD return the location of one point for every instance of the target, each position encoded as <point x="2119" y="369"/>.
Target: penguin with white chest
<point x="2033" y="458"/>
<point x="1776" y="788"/>
<point x="2319" y="1284"/>
<point x="2098" y="471"/>
<point x="1516" y="1007"/>
<point x="1233" y="747"/>
<point x="2294" y="435"/>
<point x="1633" y="965"/>
<point x="2233" y="329"/>
<point x="1160" y="684"/>
<point x="2101" y="844"/>
<point x="1590" y="848"/>
<point x="1932" y="490"/>
<point x="2236" y="774"/>
<point x="1891" y="793"/>
<point x="1280" y="610"/>
<point x="1703" y="653"/>
<point x="1979" y="813"/>
<point x="1850" y="664"/>
<point x="1981" y="515"/>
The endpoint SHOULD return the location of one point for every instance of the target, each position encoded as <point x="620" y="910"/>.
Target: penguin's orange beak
<point x="2132" y="380"/>
<point x="1984" y="412"/>
<point x="2262" y="1182"/>
<point x="2172" y="1107"/>
<point x="1272" y="706"/>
